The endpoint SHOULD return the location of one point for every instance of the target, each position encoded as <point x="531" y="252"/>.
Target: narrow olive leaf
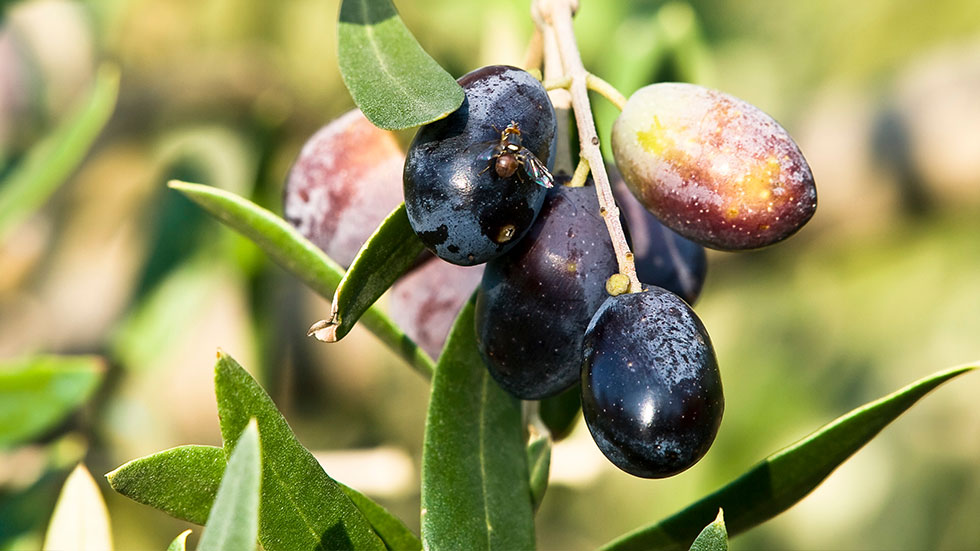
<point x="298" y="255"/>
<point x="392" y="531"/>
<point x="180" y="542"/>
<point x="181" y="481"/>
<point x="560" y="413"/>
<point x="38" y="392"/>
<point x="233" y="524"/>
<point x="784" y="478"/>
<point x="538" y="468"/>
<point x="80" y="520"/>
<point x="302" y="508"/>
<point x="714" y="537"/>
<point x="391" y="78"/>
<point x="385" y="256"/>
<point x="49" y="163"/>
<point x="475" y="492"/>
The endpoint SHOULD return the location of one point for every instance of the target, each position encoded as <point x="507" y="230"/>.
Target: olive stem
<point x="580" y="175"/>
<point x="605" y="90"/>
<point x="556" y="15"/>
<point x="560" y="84"/>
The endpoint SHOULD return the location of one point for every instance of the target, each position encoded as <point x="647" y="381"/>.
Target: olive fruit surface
<point x="343" y="184"/>
<point x="456" y="201"/>
<point x="651" y="390"/>
<point x="536" y="301"/>
<point x="712" y="167"/>
<point x="663" y="258"/>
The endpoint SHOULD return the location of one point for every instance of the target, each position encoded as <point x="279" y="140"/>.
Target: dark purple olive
<point x="462" y="198"/>
<point x="346" y="179"/>
<point x="651" y="390"/>
<point x="536" y="301"/>
<point x="663" y="258"/>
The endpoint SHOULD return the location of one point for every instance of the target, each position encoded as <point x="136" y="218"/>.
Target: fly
<point x="507" y="155"/>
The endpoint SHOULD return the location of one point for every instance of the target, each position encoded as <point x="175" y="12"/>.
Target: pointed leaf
<point x="233" y="524"/>
<point x="714" y="537"/>
<point x="180" y="542"/>
<point x="785" y="477"/>
<point x="391" y="78"/>
<point x="80" y="520"/>
<point x="181" y="481"/>
<point x="560" y="413"/>
<point x="392" y="531"/>
<point x="296" y="254"/>
<point x="538" y="467"/>
<point x="387" y="255"/>
<point x="38" y="392"/>
<point x="475" y="492"/>
<point x="302" y="507"/>
<point x="51" y="161"/>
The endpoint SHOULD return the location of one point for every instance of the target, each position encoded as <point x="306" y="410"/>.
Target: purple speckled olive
<point x="459" y="205"/>
<point x="712" y="167"/>
<point x="536" y="301"/>
<point x="651" y="390"/>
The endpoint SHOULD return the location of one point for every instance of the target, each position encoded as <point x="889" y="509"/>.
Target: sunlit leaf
<point x="391" y="78"/>
<point x="714" y="537"/>
<point x="304" y="259"/>
<point x="38" y="392"/>
<point x="538" y="468"/>
<point x="80" y="520"/>
<point x="180" y="542"/>
<point x="785" y="477"/>
<point x="49" y="163"/>
<point x="302" y="507"/>
<point x="392" y="531"/>
<point x="233" y="524"/>
<point x="390" y="252"/>
<point x="475" y="492"/>
<point x="181" y="481"/>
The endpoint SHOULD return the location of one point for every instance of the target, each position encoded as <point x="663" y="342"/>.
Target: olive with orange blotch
<point x="712" y="167"/>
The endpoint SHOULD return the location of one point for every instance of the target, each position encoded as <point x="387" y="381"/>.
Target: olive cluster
<point x="699" y="169"/>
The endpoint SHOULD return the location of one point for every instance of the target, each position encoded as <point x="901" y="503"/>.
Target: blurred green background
<point x="881" y="288"/>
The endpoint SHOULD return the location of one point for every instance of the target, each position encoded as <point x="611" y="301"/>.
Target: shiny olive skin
<point x="651" y="390"/>
<point x="663" y="258"/>
<point x="457" y="203"/>
<point x="536" y="301"/>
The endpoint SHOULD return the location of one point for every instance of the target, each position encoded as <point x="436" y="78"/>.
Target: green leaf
<point x="390" y="252"/>
<point x="49" y="163"/>
<point x="36" y="393"/>
<point x="391" y="78"/>
<point x="80" y="519"/>
<point x="784" y="478"/>
<point x="538" y="466"/>
<point x="714" y="537"/>
<point x="180" y="542"/>
<point x="233" y="524"/>
<point x="392" y="531"/>
<point x="295" y="253"/>
<point x="475" y="492"/>
<point x="181" y="481"/>
<point x="560" y="413"/>
<point x="302" y="507"/>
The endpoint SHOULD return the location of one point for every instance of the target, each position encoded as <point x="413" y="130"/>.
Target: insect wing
<point x="493" y="150"/>
<point x="535" y="169"/>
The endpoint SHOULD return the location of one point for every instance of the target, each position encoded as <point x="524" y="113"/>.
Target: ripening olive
<point x="461" y="202"/>
<point x="651" y="391"/>
<point x="536" y="301"/>
<point x="712" y="167"/>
